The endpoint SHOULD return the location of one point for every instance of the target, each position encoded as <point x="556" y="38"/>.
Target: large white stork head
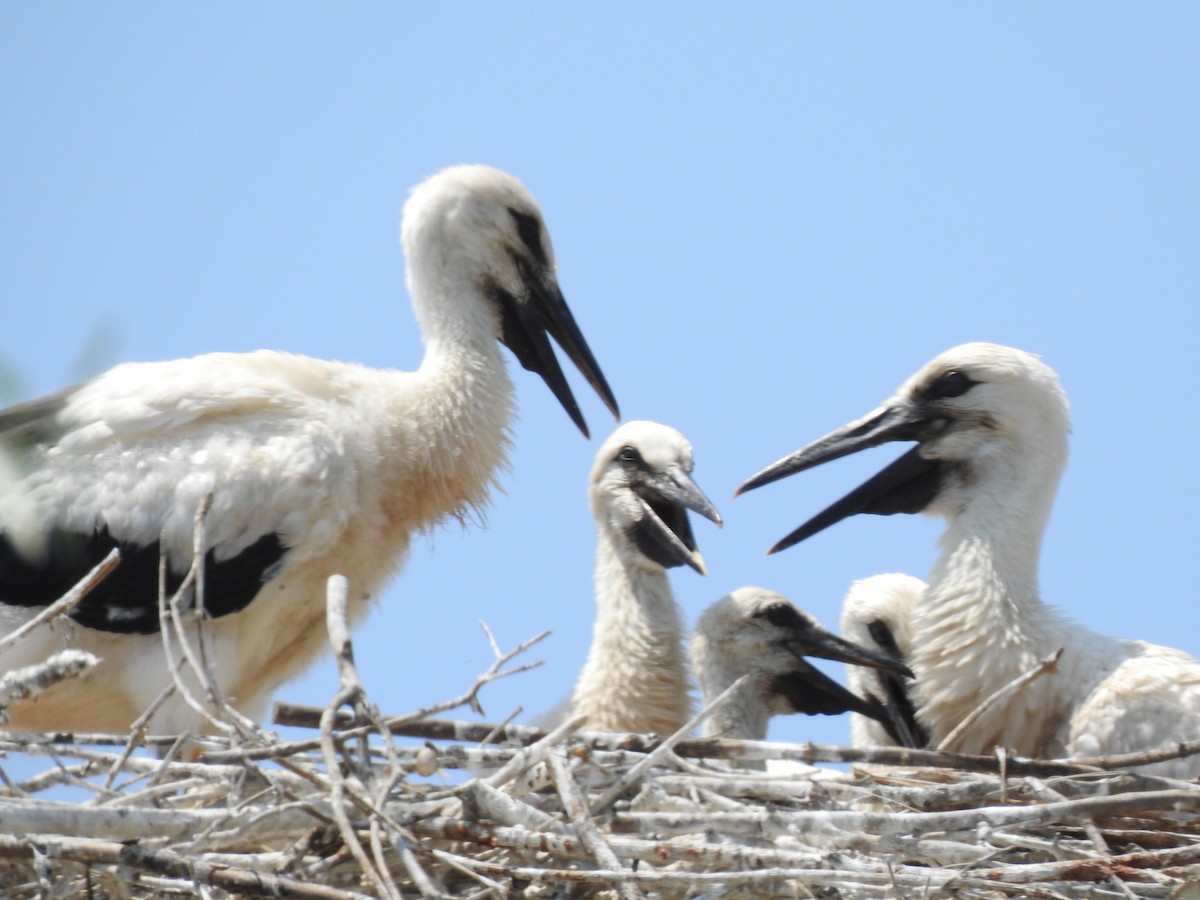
<point x="757" y="631"/>
<point x="474" y="231"/>
<point x="640" y="492"/>
<point x="987" y="420"/>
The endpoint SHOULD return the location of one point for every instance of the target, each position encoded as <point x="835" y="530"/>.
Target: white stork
<point x="641" y="488"/>
<point x="877" y="612"/>
<point x="759" y="632"/>
<point x="314" y="467"/>
<point x="991" y="427"/>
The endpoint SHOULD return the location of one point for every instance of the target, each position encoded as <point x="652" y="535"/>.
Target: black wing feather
<point x="127" y="600"/>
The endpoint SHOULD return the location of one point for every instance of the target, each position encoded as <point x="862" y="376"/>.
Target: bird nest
<point x="461" y="809"/>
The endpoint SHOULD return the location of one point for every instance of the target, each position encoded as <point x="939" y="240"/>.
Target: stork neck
<point x="1000" y="557"/>
<point x="449" y="304"/>
<point x="981" y="624"/>
<point x="635" y="677"/>
<point x="996" y="522"/>
<point x="743" y="715"/>
<point x="448" y="420"/>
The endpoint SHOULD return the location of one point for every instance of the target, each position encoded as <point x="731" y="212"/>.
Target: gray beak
<point x="826" y="645"/>
<point x="664" y="533"/>
<point x="888" y="423"/>
<point x="907" y="485"/>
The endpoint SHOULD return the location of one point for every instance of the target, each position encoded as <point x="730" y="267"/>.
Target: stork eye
<point x="882" y="636"/>
<point x="630" y="456"/>
<point x="781" y="615"/>
<point x="952" y="384"/>
<point x="530" y="233"/>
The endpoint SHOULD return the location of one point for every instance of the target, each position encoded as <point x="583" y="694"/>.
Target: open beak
<point x="529" y="321"/>
<point x="816" y="641"/>
<point x="809" y="690"/>
<point x="907" y="485"/>
<point x="664" y="532"/>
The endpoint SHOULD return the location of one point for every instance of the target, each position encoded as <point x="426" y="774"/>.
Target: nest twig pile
<point x="472" y="810"/>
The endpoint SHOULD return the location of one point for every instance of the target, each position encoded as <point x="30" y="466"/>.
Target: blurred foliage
<point x="12" y="384"/>
<point x="99" y="352"/>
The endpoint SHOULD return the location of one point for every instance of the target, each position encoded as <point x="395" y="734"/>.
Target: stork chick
<point x="990" y="425"/>
<point x="759" y="632"/>
<point x="877" y="613"/>
<point x="314" y="467"/>
<point x="635" y="677"/>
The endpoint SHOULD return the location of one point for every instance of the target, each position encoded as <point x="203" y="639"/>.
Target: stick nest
<point x="460" y="809"/>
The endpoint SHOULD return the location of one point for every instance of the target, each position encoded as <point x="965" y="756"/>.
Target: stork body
<point x="314" y="468"/>
<point x="635" y="677"/>
<point x="757" y="632"/>
<point x="991" y="428"/>
<point x="877" y="613"/>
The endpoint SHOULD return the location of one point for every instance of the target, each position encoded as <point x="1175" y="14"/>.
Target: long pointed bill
<point x="563" y="329"/>
<point x="810" y="691"/>
<point x="907" y="485"/>
<point x="819" y="642"/>
<point x="888" y="423"/>
<point x="525" y="323"/>
<point x="897" y="716"/>
<point x="664" y="533"/>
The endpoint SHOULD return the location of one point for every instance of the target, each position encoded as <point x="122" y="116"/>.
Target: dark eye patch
<point x="629" y="454"/>
<point x="781" y="615"/>
<point x="882" y="635"/>
<point x="530" y="232"/>
<point x="950" y="384"/>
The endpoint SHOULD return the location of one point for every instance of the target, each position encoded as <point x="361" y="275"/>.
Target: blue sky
<point x="763" y="222"/>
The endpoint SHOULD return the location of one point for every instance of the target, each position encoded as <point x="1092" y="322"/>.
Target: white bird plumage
<point x="641" y="488"/>
<point x="758" y="632"/>
<point x="877" y="613"/>
<point x="991" y="427"/>
<point x="314" y="467"/>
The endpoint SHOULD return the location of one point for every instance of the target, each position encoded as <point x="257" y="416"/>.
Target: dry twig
<point x="349" y="814"/>
<point x="66" y="603"/>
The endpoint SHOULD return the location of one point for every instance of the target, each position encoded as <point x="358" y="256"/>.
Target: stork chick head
<point x="640" y="492"/>
<point x="475" y="231"/>
<point x="878" y="613"/>
<point x="756" y="631"/>
<point x="987" y="419"/>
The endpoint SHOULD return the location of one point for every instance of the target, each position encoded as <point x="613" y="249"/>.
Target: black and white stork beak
<point x="899" y="716"/>
<point x="527" y="323"/>
<point x="664" y="533"/>
<point x="810" y="691"/>
<point x="896" y="713"/>
<point x="813" y="640"/>
<point x="907" y="485"/>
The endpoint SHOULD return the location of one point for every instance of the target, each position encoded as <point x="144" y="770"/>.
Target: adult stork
<point x="641" y="489"/>
<point x="313" y="467"/>
<point x="990" y="425"/>
<point x="758" y="632"/>
<point x="877" y="612"/>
